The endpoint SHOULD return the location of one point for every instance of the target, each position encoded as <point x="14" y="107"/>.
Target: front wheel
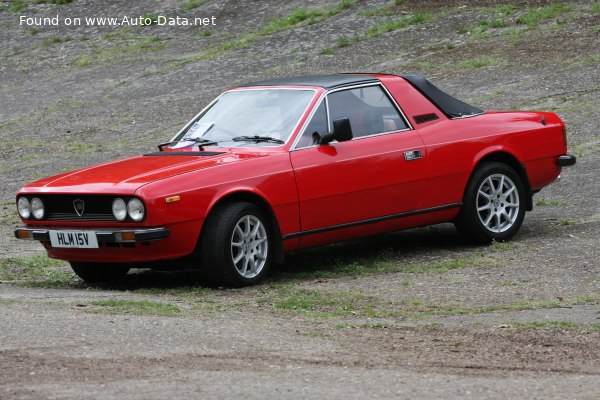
<point x="493" y="205"/>
<point x="99" y="272"/>
<point x="236" y="244"/>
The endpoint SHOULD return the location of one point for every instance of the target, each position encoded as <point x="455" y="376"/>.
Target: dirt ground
<point x="414" y="314"/>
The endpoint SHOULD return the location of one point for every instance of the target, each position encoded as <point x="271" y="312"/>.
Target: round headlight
<point x="24" y="207"/>
<point x="119" y="209"/>
<point x="37" y="208"/>
<point x="136" y="211"/>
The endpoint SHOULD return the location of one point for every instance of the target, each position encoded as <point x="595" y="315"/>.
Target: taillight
<point x="564" y="131"/>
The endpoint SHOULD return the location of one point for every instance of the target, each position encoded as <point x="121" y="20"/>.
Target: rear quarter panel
<point x="455" y="147"/>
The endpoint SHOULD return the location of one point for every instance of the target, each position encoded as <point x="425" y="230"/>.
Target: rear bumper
<point x="567" y="160"/>
<point x="103" y="235"/>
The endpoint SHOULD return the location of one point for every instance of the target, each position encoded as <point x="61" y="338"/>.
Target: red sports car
<point x="296" y="162"/>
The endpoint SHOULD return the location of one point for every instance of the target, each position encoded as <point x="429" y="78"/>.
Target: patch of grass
<point x="395" y="24"/>
<point x="134" y="307"/>
<point x="502" y="246"/>
<point x="152" y="16"/>
<point x="534" y="16"/>
<point x="206" y="32"/>
<point x="191" y="4"/>
<point x="49" y="41"/>
<point x="18" y="5"/>
<point x="59" y="2"/>
<point x="325" y="304"/>
<point x="595" y="8"/>
<point x="326" y="51"/>
<point x="345" y="41"/>
<point x="399" y="2"/>
<point x="448" y="265"/>
<point x="39" y="271"/>
<point x="140" y="46"/>
<point x="474" y="63"/>
<point x="505" y="10"/>
<point x="544" y="202"/>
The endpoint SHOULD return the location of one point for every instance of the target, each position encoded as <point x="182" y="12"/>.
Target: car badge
<point x="79" y="206"/>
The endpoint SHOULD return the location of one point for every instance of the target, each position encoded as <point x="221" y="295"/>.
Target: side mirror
<point x="342" y="132"/>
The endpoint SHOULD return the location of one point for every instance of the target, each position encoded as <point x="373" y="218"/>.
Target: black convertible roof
<point x="450" y="106"/>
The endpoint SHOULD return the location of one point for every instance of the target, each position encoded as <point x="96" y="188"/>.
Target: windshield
<point x="252" y="117"/>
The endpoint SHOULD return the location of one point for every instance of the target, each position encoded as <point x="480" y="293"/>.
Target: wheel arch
<point x="258" y="200"/>
<point x="505" y="157"/>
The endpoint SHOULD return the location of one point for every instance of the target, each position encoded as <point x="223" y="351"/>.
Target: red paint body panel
<point x="315" y="188"/>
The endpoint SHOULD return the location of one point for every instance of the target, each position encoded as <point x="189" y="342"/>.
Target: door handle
<point x="412" y="155"/>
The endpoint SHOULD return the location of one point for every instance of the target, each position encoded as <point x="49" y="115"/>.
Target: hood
<point x="126" y="176"/>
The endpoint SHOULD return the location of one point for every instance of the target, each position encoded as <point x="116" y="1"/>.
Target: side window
<point x="369" y="109"/>
<point x="315" y="128"/>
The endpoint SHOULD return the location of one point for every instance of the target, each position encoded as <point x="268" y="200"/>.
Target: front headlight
<point x="37" y="208"/>
<point x="24" y="207"/>
<point x="135" y="209"/>
<point x="119" y="209"/>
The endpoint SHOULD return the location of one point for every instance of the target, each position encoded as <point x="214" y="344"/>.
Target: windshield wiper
<point x="257" y="138"/>
<point x="200" y="141"/>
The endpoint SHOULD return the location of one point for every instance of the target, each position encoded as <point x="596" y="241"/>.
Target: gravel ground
<point x="514" y="320"/>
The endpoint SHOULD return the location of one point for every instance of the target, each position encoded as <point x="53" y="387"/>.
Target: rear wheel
<point x="99" y="272"/>
<point x="493" y="205"/>
<point x="236" y="244"/>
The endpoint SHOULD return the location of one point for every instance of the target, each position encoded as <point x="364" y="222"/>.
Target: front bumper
<point x="103" y="235"/>
<point x="567" y="160"/>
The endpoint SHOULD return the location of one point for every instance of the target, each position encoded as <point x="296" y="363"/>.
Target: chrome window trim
<point x="325" y="94"/>
<point x="252" y="88"/>
<point x="468" y="116"/>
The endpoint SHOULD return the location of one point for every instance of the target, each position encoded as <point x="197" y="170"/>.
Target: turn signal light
<point x="172" y="199"/>
<point x="125" y="236"/>
<point x="24" y="234"/>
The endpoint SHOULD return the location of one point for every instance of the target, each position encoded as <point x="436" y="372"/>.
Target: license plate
<point x="74" y="239"/>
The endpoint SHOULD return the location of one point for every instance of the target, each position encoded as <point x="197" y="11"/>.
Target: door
<point x="381" y="172"/>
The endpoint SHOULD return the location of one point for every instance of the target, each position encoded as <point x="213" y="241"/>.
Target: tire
<point x="493" y="204"/>
<point x="236" y="245"/>
<point x="99" y="272"/>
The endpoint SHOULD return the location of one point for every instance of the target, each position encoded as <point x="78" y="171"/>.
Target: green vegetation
<point x="344" y="41"/>
<point x="397" y="23"/>
<point x="140" y="46"/>
<point x="134" y="307"/>
<point x="300" y="15"/>
<point x="477" y="62"/>
<point x="544" y="202"/>
<point x="39" y="271"/>
<point x="595" y="8"/>
<point x="20" y="5"/>
<point x="333" y="304"/>
<point x="206" y="32"/>
<point x="191" y="4"/>
<point x="505" y="10"/>
<point x="153" y="17"/>
<point x="47" y="42"/>
<point x="325" y="304"/>
<point x="534" y="16"/>
<point x="326" y="51"/>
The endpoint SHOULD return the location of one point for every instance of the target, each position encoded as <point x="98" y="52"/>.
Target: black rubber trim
<point x="185" y="153"/>
<point x="371" y="221"/>
<point x="421" y="119"/>
<point x="567" y="160"/>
